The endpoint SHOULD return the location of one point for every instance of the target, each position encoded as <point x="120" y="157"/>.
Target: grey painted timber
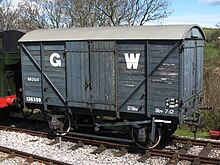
<point x="151" y="71"/>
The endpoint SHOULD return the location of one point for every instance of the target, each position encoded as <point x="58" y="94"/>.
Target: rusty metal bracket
<point x="122" y="152"/>
<point x="99" y="150"/>
<point x="186" y="147"/>
<point x="78" y="145"/>
<point x="144" y="157"/>
<point x="174" y="160"/>
<point x="206" y="150"/>
<point x="196" y="161"/>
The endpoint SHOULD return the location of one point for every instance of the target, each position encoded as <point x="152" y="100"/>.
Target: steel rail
<point x="182" y="156"/>
<point x="30" y="132"/>
<point x="30" y="157"/>
<point x="214" y="144"/>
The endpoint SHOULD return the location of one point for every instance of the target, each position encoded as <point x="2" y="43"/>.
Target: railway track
<point x="188" y="143"/>
<point x="174" y="157"/>
<point x="30" y="158"/>
<point x="214" y="144"/>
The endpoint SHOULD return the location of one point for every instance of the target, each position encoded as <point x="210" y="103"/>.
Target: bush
<point x="212" y="97"/>
<point x="212" y="119"/>
<point x="212" y="86"/>
<point x="216" y="43"/>
<point x="212" y="35"/>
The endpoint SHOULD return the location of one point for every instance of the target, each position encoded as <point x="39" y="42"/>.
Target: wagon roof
<point x="157" y="32"/>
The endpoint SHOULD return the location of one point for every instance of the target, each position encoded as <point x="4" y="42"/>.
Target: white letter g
<point x="55" y="63"/>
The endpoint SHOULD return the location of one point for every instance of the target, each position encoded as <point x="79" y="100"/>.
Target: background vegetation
<point x="34" y="14"/>
<point x="212" y="78"/>
<point x="211" y="85"/>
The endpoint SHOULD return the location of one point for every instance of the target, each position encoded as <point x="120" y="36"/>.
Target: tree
<point x="8" y="16"/>
<point x="41" y="14"/>
<point x="134" y="12"/>
<point x="34" y="14"/>
<point x="84" y="13"/>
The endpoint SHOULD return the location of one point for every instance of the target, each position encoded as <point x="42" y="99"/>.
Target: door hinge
<point x="88" y="84"/>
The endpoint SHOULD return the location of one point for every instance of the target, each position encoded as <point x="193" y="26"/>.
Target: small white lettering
<point x="157" y="110"/>
<point x="132" y="108"/>
<point x="33" y="79"/>
<point x="171" y="111"/>
<point x="165" y="111"/>
<point x="128" y="85"/>
<point x="33" y="99"/>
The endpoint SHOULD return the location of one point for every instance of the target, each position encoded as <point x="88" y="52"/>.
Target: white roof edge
<point x="156" y="32"/>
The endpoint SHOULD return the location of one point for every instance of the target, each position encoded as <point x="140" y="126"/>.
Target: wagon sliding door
<point x="163" y="77"/>
<point x="90" y="74"/>
<point x="77" y="58"/>
<point x="102" y="70"/>
<point x="132" y="76"/>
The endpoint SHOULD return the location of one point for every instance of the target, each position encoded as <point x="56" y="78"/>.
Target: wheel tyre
<point x="66" y="128"/>
<point x="146" y="145"/>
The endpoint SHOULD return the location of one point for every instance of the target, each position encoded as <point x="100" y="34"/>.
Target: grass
<point x="211" y="56"/>
<point x="211" y="51"/>
<point x="185" y="131"/>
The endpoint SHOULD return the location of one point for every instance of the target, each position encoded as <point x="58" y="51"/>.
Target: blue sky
<point x="206" y="13"/>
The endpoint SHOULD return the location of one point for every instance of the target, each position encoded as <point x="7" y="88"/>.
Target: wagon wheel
<point x="147" y="144"/>
<point x="59" y="124"/>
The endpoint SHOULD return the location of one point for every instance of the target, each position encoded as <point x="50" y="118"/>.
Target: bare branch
<point x="36" y="14"/>
<point x="8" y="16"/>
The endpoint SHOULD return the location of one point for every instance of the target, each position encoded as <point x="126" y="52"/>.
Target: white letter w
<point x="132" y="61"/>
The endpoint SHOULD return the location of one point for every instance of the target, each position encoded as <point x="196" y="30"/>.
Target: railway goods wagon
<point x="10" y="66"/>
<point x="146" y="79"/>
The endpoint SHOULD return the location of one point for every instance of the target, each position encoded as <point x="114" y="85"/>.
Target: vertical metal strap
<point x="90" y="103"/>
<point x="42" y="77"/>
<point x="195" y="90"/>
<point x="153" y="128"/>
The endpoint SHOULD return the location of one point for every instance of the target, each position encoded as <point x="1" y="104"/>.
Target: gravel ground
<point x="215" y="153"/>
<point x="195" y="150"/>
<point x="62" y="152"/>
